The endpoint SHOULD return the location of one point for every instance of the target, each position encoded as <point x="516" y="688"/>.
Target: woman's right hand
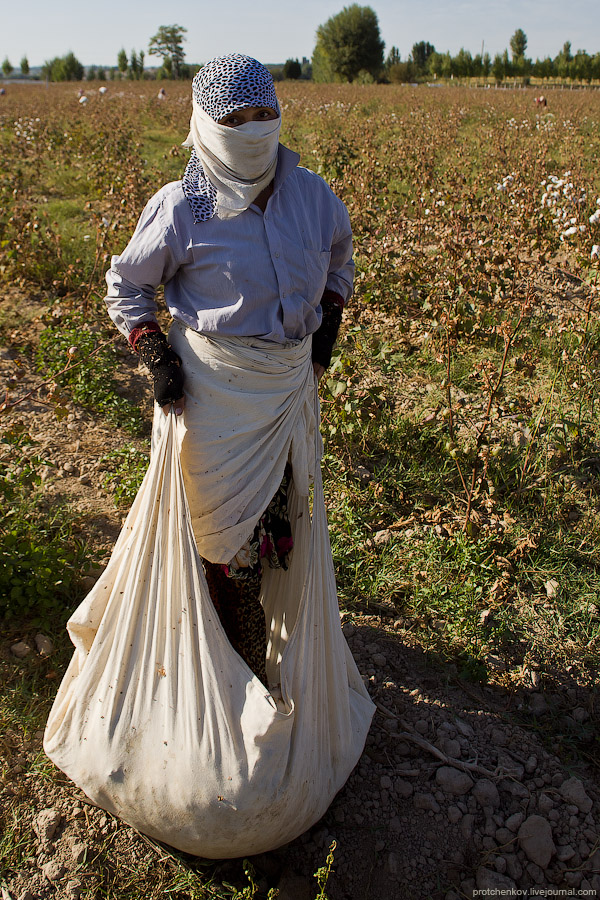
<point x="177" y="405"/>
<point x="165" y="367"/>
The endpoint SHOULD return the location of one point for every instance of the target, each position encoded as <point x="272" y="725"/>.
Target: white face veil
<point x="229" y="167"/>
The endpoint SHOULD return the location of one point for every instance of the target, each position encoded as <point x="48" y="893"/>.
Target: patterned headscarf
<point x="223" y="85"/>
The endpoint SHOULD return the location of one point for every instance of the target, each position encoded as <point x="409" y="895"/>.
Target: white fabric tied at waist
<point x="249" y="407"/>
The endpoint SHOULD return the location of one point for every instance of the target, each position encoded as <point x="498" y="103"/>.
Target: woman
<point x="255" y="255"/>
<point x="158" y="719"/>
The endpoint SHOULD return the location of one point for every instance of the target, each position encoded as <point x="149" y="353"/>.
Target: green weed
<point x="126" y="470"/>
<point x="84" y="366"/>
<point x="39" y="557"/>
<point x="322" y="874"/>
<point x="251" y="889"/>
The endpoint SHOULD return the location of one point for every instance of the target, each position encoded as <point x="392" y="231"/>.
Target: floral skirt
<point x="235" y="588"/>
<point x="271" y="539"/>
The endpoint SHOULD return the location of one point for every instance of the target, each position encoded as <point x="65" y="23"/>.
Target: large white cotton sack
<point x="159" y="721"/>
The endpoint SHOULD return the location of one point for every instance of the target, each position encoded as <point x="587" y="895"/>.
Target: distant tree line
<point x="349" y="48"/>
<point x="167" y="43"/>
<point x="8" y="68"/>
<point x="291" y="69"/>
<point x="425" y="62"/>
<point x="63" y="68"/>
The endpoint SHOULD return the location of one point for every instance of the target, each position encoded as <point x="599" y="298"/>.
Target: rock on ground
<point x="535" y="839"/>
<point x="490" y="880"/>
<point x="46" y="823"/>
<point x="453" y="781"/>
<point x="573" y="791"/>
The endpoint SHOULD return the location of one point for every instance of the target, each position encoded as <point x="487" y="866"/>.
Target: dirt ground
<point x="451" y="795"/>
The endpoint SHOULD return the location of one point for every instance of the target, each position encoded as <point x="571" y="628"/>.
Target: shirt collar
<point x="287" y="161"/>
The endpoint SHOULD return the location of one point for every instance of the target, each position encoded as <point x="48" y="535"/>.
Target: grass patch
<point x="39" y="557"/>
<point x="126" y="468"/>
<point x="82" y="365"/>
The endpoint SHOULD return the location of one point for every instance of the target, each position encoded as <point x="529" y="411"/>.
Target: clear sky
<point x="274" y="30"/>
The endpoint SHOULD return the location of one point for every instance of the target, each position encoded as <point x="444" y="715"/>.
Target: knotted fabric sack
<point x="249" y="408"/>
<point x="159" y="721"/>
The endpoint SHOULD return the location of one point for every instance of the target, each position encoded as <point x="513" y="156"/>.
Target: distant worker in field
<point x="255" y="255"/>
<point x="162" y="94"/>
<point x="541" y="101"/>
<point x="2" y="92"/>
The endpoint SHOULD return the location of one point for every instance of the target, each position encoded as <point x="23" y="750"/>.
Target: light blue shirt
<point x="251" y="275"/>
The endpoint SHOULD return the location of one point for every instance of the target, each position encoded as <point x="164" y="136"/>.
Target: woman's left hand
<point x="319" y="370"/>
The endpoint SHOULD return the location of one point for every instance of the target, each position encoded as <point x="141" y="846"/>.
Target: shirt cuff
<point x="136" y="333"/>
<point x="333" y="298"/>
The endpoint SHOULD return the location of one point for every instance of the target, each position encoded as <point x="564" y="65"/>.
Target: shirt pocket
<point x="317" y="269"/>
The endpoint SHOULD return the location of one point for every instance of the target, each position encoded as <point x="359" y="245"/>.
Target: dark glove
<point x="165" y="366"/>
<point x="326" y="334"/>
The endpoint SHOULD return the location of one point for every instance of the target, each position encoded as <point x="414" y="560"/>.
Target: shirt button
<point x="277" y="256"/>
<point x="283" y="295"/>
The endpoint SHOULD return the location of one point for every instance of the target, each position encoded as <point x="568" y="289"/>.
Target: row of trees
<point x="349" y="48"/>
<point x="132" y="66"/>
<point x="63" y="68"/>
<point x="167" y="43"/>
<point x="424" y="61"/>
<point x="8" y="68"/>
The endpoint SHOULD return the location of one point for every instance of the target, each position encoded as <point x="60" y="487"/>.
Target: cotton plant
<point x="523" y="125"/>
<point x="516" y="191"/>
<point x="26" y="128"/>
<point x="566" y="202"/>
<point x="506" y="183"/>
<point x="434" y="199"/>
<point x="594" y="222"/>
<point x="545" y="123"/>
